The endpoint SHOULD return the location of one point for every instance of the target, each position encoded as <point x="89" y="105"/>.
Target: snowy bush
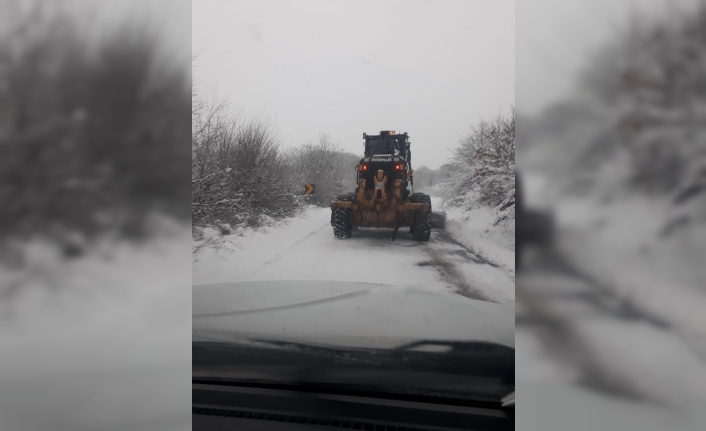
<point x="662" y="101"/>
<point x="653" y="82"/>
<point x="92" y="129"/>
<point x="324" y="164"/>
<point x="242" y="178"/>
<point x="482" y="169"/>
<point x="238" y="170"/>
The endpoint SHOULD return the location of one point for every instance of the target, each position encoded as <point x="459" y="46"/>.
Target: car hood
<point x="345" y="314"/>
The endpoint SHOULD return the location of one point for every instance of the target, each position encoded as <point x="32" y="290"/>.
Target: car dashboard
<point x="227" y="406"/>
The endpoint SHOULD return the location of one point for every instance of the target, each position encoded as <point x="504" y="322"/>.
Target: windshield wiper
<point x="509" y="400"/>
<point x="458" y="346"/>
<point x="469" y="370"/>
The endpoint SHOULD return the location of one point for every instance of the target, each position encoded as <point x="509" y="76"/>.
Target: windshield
<point x="307" y="249"/>
<point x="377" y="146"/>
<point x="386" y="145"/>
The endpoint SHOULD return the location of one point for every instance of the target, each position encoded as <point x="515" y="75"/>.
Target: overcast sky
<point x="555" y="40"/>
<point x="168" y="19"/>
<point x="429" y="68"/>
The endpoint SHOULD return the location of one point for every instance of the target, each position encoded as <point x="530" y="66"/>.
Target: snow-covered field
<point x="100" y="342"/>
<point x="304" y="248"/>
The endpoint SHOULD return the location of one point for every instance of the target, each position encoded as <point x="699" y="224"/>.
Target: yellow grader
<point x="382" y="198"/>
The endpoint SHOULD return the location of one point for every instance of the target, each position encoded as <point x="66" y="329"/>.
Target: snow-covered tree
<point x="324" y="164"/>
<point x="238" y="171"/>
<point x="425" y="178"/>
<point x="482" y="169"/>
<point x="241" y="176"/>
<point x="662" y="101"/>
<point x="653" y="82"/>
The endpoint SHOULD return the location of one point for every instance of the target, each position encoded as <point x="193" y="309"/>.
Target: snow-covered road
<point x="304" y="248"/>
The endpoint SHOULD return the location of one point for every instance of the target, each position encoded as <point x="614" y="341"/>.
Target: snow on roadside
<point x="104" y="336"/>
<point x="130" y="295"/>
<point x="618" y="245"/>
<point x="475" y="230"/>
<point x="677" y="377"/>
<point x="249" y="249"/>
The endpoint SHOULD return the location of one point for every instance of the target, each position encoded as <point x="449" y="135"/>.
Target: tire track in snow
<point x="286" y="251"/>
<point x="453" y="276"/>
<point x="279" y="256"/>
<point x="440" y="264"/>
<point x="469" y="274"/>
<point x="473" y="255"/>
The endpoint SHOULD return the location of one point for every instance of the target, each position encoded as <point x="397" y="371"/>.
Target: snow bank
<point x="618" y="244"/>
<point x="243" y="253"/>
<point x="475" y="229"/>
<point x="100" y="341"/>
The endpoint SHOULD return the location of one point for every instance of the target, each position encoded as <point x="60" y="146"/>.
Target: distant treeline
<point x="242" y="176"/>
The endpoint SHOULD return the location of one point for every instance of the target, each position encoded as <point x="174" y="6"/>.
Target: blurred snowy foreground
<point x="476" y="229"/>
<point x="100" y="341"/>
<point x="611" y="323"/>
<point x="623" y="244"/>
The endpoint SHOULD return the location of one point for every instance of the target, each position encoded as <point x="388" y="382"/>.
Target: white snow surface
<point x="346" y="314"/>
<point x="304" y="248"/>
<point x="100" y="342"/>
<point x="658" y="352"/>
<point x="618" y="245"/>
<point x="555" y="407"/>
<point x="475" y="230"/>
<point x="649" y="361"/>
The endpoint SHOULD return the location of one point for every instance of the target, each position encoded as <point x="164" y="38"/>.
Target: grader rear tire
<point x="341" y="218"/>
<point x="342" y="227"/>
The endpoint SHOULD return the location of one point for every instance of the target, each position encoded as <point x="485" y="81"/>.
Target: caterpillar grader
<point x="382" y="198"/>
